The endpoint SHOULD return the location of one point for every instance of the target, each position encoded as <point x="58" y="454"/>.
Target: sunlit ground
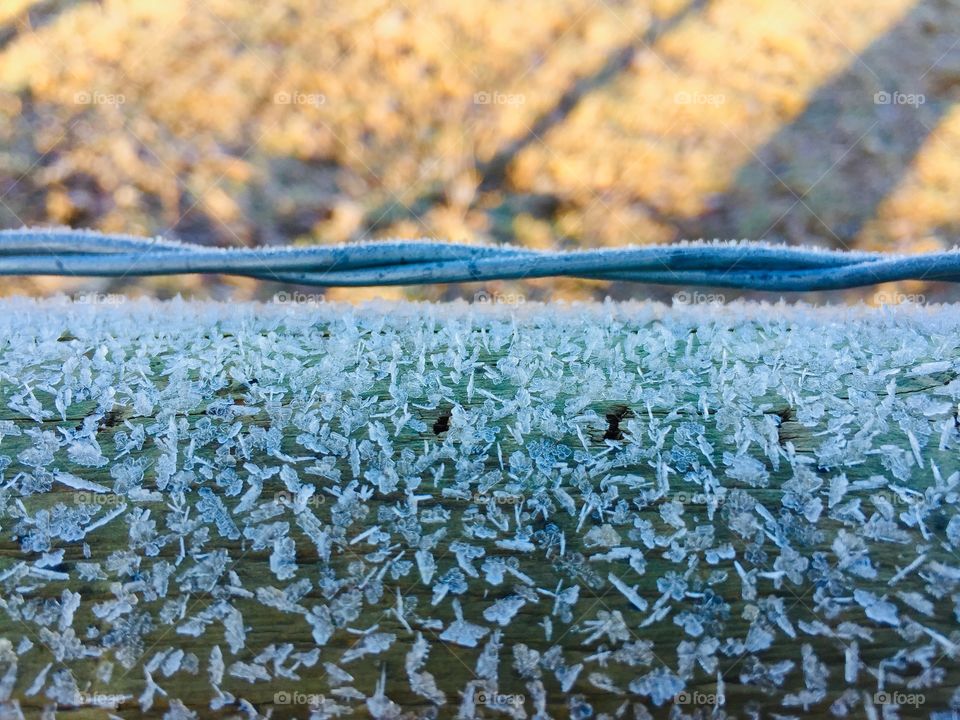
<point x="549" y="123"/>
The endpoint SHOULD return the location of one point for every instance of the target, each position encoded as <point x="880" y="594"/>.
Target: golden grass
<point x="247" y="122"/>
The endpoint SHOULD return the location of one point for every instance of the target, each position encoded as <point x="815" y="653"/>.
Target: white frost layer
<point x="700" y="495"/>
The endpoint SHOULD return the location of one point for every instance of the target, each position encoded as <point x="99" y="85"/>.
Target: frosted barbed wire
<point x="745" y="265"/>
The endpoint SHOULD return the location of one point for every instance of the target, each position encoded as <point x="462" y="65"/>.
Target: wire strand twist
<point x="743" y="265"/>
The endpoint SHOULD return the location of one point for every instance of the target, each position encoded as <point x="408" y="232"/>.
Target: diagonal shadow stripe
<point x="822" y="177"/>
<point x="38" y="15"/>
<point x="493" y="172"/>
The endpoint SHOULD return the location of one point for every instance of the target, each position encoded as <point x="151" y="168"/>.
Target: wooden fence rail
<point x="611" y="511"/>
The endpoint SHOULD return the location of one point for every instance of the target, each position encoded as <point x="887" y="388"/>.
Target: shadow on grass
<point x="823" y="176"/>
<point x="38" y="15"/>
<point x="493" y="172"/>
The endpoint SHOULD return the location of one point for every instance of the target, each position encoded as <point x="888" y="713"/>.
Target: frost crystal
<point x="660" y="685"/>
<point x="462" y="632"/>
<point x="503" y="611"/>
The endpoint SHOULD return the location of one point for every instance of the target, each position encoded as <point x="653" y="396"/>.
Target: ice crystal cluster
<point x="446" y="511"/>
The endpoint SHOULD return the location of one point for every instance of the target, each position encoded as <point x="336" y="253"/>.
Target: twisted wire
<point x="743" y="265"/>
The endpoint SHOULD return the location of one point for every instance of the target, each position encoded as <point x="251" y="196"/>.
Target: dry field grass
<point x="549" y="123"/>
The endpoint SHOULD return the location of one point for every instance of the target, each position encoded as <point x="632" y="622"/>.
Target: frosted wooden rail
<point x="451" y="511"/>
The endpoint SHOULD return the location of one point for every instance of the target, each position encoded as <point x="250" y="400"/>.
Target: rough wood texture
<point x="635" y="510"/>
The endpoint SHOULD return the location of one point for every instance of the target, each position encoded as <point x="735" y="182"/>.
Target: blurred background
<point x="543" y="123"/>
